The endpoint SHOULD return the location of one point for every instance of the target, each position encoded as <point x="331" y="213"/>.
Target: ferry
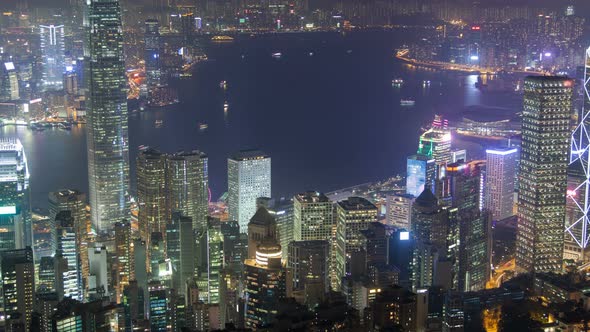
<point x="277" y="55"/>
<point x="407" y="102"/>
<point x="203" y="126"/>
<point x="397" y="82"/>
<point x="225" y="106"/>
<point x="222" y="39"/>
<point x="426" y="83"/>
<point x="159" y="123"/>
<point x="223" y="84"/>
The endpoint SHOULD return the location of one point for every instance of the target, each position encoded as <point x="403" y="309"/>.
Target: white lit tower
<point x="578" y="206"/>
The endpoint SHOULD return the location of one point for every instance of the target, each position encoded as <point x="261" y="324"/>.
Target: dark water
<point x="328" y="120"/>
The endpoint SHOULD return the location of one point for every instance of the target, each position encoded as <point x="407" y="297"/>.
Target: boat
<point x="426" y="83"/>
<point x="397" y="82"/>
<point x="65" y="126"/>
<point x="407" y="102"/>
<point x="225" y="106"/>
<point x="159" y="123"/>
<point x="222" y="39"/>
<point x="203" y="126"/>
<point x="223" y="84"/>
<point x="277" y="55"/>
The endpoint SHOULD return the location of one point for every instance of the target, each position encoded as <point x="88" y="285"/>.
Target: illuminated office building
<point x="52" y="39"/>
<point x="261" y="226"/>
<point x="67" y="248"/>
<point x="248" y="177"/>
<point x="187" y="181"/>
<point x="74" y="202"/>
<point x="98" y="281"/>
<point x="352" y="215"/>
<point x="282" y="211"/>
<point x="308" y="266"/>
<point x="125" y="257"/>
<point x="152" y="52"/>
<point x="214" y="260"/>
<point x="313" y="217"/>
<point x="421" y="173"/>
<point x="499" y="186"/>
<point x="15" y="216"/>
<point x="180" y="246"/>
<point x="18" y="284"/>
<point x="9" y="87"/>
<point x="399" y="210"/>
<point x="158" y="307"/>
<point x="264" y="283"/>
<point x="151" y="192"/>
<point x="107" y="125"/>
<point x="435" y="143"/>
<point x="542" y="181"/>
<point x="465" y="183"/>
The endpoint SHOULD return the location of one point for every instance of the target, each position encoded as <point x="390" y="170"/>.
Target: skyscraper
<point x="500" y="176"/>
<point x="308" y="265"/>
<point x="248" y="177"/>
<point x="152" y="53"/>
<point x="435" y="143"/>
<point x="107" y="128"/>
<point x="421" y="173"/>
<point x="352" y="215"/>
<point x="125" y="255"/>
<point x="151" y="192"/>
<point x="265" y="284"/>
<point x="214" y="260"/>
<point x="18" y="284"/>
<point x="313" y="217"/>
<point x="53" y="51"/>
<point x="14" y="196"/>
<point x="399" y="210"/>
<point x="74" y="202"/>
<point x="542" y="181"/>
<point x="187" y="182"/>
<point x="66" y="248"/>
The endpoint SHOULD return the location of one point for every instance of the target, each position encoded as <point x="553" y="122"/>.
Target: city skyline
<point x="461" y="127"/>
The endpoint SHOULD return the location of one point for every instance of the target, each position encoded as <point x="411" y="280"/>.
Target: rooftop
<point x="356" y="203"/>
<point x="249" y="155"/>
<point x="312" y="197"/>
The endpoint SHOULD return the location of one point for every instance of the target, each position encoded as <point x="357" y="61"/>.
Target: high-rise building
<point x="261" y="226"/>
<point x="187" y="181"/>
<point x="181" y="250"/>
<point x="395" y="307"/>
<point x="399" y="210"/>
<point x="308" y="268"/>
<point x="98" y="281"/>
<point x="158" y="306"/>
<point x="125" y="257"/>
<point x="15" y="217"/>
<point x="151" y="192"/>
<point x="67" y="248"/>
<point x="435" y="143"/>
<point x="499" y="186"/>
<point x="264" y="284"/>
<point x="53" y="51"/>
<point x="214" y="260"/>
<point x="542" y="175"/>
<point x="74" y="202"/>
<point x="313" y="217"/>
<point x="106" y="104"/>
<point x="248" y="177"/>
<point x="18" y="285"/>
<point x="421" y="173"/>
<point x="352" y="215"/>
<point x="9" y="87"/>
<point x="282" y="211"/>
<point x="152" y="53"/>
<point x="465" y="182"/>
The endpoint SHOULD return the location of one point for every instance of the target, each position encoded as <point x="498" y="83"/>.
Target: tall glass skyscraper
<point x="421" y="173"/>
<point x="248" y="177"/>
<point x="107" y="129"/>
<point x="14" y="196"/>
<point x="53" y="50"/>
<point x="542" y="181"/>
<point x="500" y="177"/>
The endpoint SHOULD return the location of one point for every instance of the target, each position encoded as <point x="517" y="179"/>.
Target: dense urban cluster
<point x="494" y="244"/>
